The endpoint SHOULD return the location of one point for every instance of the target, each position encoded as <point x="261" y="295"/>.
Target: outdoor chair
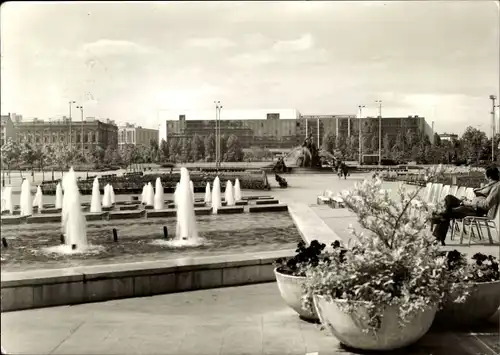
<point x="460" y="192"/>
<point x="453" y="190"/>
<point x="479" y="223"/>
<point x="455" y="224"/>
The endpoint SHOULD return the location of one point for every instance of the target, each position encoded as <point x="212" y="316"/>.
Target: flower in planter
<point x="306" y="256"/>
<point x="394" y="262"/>
<point x="481" y="268"/>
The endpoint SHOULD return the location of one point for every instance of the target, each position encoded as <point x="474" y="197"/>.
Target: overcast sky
<point x="125" y="61"/>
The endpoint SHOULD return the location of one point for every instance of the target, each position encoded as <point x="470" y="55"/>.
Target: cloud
<point x="107" y="47"/>
<point x="210" y="42"/>
<point x="302" y="43"/>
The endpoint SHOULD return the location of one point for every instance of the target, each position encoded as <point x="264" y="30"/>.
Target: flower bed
<point x="134" y="183"/>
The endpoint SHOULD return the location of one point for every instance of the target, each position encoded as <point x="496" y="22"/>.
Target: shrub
<point x="395" y="263"/>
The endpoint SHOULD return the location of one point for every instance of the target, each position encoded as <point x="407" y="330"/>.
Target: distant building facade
<point x="274" y="130"/>
<point x="130" y="134"/>
<point x="7" y="128"/>
<point x="91" y="132"/>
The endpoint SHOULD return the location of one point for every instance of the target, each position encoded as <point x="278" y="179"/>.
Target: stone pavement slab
<point x="228" y="321"/>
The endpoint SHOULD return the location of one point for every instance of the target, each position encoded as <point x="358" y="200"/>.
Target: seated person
<point x="487" y="198"/>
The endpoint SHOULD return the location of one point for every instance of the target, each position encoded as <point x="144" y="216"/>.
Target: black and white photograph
<point x="250" y="177"/>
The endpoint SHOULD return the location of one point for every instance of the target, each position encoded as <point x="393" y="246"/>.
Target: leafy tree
<point x="397" y="148"/>
<point x="28" y="155"/>
<point x="10" y="153"/>
<point x="174" y="149"/>
<point x="223" y="146"/>
<point x="234" y="152"/>
<point x="341" y="146"/>
<point x="163" y="151"/>
<point x="473" y="142"/>
<point x="374" y="144"/>
<point x="209" y="147"/>
<point x="197" y="148"/>
<point x="386" y="145"/>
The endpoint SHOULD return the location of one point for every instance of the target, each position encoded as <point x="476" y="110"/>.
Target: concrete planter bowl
<point x="348" y="328"/>
<point x="291" y="291"/>
<point x="482" y="303"/>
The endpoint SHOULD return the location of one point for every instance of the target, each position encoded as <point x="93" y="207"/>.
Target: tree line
<point x="472" y="147"/>
<point x="23" y="155"/>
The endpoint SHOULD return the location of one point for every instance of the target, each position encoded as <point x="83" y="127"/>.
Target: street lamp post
<point x="218" y="108"/>
<point x="81" y="134"/>
<point x="379" y="102"/>
<point x="70" y="104"/>
<point x="493" y="106"/>
<point x="360" y="134"/>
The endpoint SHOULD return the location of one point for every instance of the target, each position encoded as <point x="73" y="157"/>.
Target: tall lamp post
<point x="70" y="105"/>
<point x="218" y="108"/>
<point x="379" y="102"/>
<point x="361" y="107"/>
<point x="493" y="106"/>
<point x="81" y="134"/>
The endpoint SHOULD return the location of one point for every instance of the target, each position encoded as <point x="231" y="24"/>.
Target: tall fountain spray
<point x="112" y="194"/>
<point x="143" y="195"/>
<point x="106" y="199"/>
<point x="159" y="200"/>
<point x="73" y="221"/>
<point x="229" y="193"/>
<point x="38" y="200"/>
<point x="216" y="196"/>
<point x="8" y="204"/>
<point x="59" y="195"/>
<point x="237" y="190"/>
<point x="176" y="193"/>
<point x="208" y="194"/>
<point x="95" y="203"/>
<point x="150" y="195"/>
<point x="26" y="200"/>
<point x="186" y="233"/>
<point x="191" y="186"/>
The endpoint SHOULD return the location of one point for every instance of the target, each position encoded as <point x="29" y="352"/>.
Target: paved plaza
<point x="237" y="320"/>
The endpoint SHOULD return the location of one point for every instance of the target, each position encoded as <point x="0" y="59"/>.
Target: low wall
<point x="45" y="288"/>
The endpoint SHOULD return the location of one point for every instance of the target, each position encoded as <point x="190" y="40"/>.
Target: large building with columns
<point x="284" y="128"/>
<point x="90" y="133"/>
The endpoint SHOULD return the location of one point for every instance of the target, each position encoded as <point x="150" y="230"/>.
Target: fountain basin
<point x="125" y="214"/>
<point x="17" y="219"/>
<point x="51" y="210"/>
<point x="96" y="216"/>
<point x="256" y="197"/>
<point x="161" y="213"/>
<point x="129" y="207"/>
<point x="268" y="208"/>
<point x="230" y="210"/>
<point x="46" y="288"/>
<point x="266" y="202"/>
<point x="47" y="218"/>
<point x="241" y="203"/>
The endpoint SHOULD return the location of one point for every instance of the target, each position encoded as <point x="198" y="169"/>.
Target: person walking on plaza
<point x="485" y="203"/>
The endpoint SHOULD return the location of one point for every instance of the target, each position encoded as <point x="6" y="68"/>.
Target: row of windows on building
<point x="55" y="138"/>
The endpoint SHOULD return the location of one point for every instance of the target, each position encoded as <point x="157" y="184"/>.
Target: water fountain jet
<point x="26" y="200"/>
<point x="59" y="195"/>
<point x="229" y="194"/>
<point x="7" y="200"/>
<point x="208" y="194"/>
<point x="106" y="200"/>
<point x="95" y="203"/>
<point x="150" y="195"/>
<point x="216" y="195"/>
<point x="237" y="190"/>
<point x="191" y="185"/>
<point x="159" y="200"/>
<point x="112" y="194"/>
<point x="38" y="200"/>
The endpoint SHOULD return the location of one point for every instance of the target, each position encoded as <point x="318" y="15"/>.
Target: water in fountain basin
<point x="229" y="193"/>
<point x="208" y="194"/>
<point x="186" y="231"/>
<point x="59" y="195"/>
<point x="216" y="195"/>
<point x="26" y="200"/>
<point x="237" y="190"/>
<point x="159" y="200"/>
<point x="150" y="195"/>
